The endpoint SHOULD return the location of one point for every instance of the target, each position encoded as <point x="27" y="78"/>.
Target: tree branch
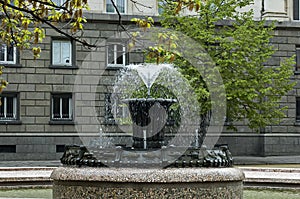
<point x="39" y="19"/>
<point x="119" y="14"/>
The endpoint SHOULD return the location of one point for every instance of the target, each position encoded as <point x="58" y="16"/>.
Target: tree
<point x="240" y="48"/>
<point x="3" y="83"/>
<point x="23" y="22"/>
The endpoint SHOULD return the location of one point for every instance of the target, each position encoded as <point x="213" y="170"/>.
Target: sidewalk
<point x="280" y="172"/>
<point x="254" y="160"/>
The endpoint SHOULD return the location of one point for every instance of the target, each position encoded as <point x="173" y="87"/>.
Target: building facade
<point x="37" y="116"/>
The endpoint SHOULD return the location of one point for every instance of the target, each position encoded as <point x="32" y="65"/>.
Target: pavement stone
<point x="263" y="171"/>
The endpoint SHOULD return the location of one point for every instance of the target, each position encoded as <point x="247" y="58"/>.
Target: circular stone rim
<point x="168" y="175"/>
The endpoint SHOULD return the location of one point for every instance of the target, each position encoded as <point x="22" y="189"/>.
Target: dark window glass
<point x="61" y="107"/>
<point x="120" y="54"/>
<point x="298" y="108"/>
<point x="56" y="107"/>
<point x="298" y="58"/>
<point x="116" y="54"/>
<point x="296" y="9"/>
<point x="9" y="107"/>
<point x="2" y="53"/>
<point x="10" y="53"/>
<point x="120" y="5"/>
<point x="110" y="54"/>
<point x="2" y="107"/>
<point x="65" y="107"/>
<point x="7" y="54"/>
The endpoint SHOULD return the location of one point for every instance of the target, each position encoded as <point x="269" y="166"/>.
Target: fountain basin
<point x="87" y="182"/>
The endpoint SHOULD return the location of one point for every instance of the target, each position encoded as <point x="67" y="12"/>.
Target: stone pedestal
<point x="87" y="182"/>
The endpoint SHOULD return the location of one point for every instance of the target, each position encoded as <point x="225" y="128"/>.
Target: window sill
<point x="114" y="67"/>
<point x="297" y="123"/>
<point x="10" y="122"/>
<point x="61" y="122"/>
<point x="11" y="65"/>
<point x="297" y="72"/>
<point x="63" y="67"/>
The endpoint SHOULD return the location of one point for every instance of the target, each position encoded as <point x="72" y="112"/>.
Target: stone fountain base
<point x="88" y="182"/>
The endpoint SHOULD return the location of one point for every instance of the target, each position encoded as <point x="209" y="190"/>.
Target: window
<point x="298" y="109"/>
<point x="297" y="58"/>
<point x="9" y="107"/>
<point x="116" y="55"/>
<point x="62" y="52"/>
<point x="296" y="9"/>
<point x="121" y="5"/>
<point x="59" y="2"/>
<point x="62" y="108"/>
<point x="116" y="111"/>
<point x="8" y="54"/>
<point x="161" y="4"/>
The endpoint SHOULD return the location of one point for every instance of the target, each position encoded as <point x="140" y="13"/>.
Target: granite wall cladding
<point x="34" y="80"/>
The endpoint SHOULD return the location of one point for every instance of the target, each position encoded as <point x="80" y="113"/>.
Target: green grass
<point x="27" y="193"/>
<point x="248" y="194"/>
<point x="271" y="165"/>
<point x="272" y="194"/>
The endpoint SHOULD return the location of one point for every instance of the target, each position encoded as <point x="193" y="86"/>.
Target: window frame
<point x="15" y="62"/>
<point x="61" y="120"/>
<point x="115" y="52"/>
<point x="62" y="2"/>
<point x="115" y="12"/>
<point x="72" y="64"/>
<point x="16" y="108"/>
<point x="160" y="4"/>
<point x="297" y="65"/>
<point x="297" y="116"/>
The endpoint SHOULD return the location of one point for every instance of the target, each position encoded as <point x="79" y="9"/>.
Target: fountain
<point x="153" y="165"/>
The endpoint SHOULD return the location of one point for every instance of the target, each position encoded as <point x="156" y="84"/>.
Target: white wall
<point x="280" y="10"/>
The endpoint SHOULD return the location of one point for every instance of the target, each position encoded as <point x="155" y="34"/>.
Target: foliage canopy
<point x="23" y="22"/>
<point x="240" y="48"/>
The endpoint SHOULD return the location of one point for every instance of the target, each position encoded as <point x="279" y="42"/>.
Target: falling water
<point x="148" y="73"/>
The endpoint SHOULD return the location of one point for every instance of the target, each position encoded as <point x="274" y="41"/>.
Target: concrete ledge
<point x="272" y="177"/>
<point x="25" y="177"/>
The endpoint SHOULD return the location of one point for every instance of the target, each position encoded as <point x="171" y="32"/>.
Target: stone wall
<point x="35" y="82"/>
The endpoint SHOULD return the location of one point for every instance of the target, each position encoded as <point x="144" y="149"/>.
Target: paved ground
<point x="274" y="172"/>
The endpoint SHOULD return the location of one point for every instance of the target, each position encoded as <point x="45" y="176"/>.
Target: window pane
<point x="298" y="108"/>
<point x="56" y="52"/>
<point x="120" y="54"/>
<point x="2" y="107"/>
<point x="110" y="54"/>
<point x="66" y="52"/>
<point x="9" y="107"/>
<point x="109" y="6"/>
<point x="57" y="2"/>
<point x="56" y="107"/>
<point x="65" y="107"/>
<point x="121" y="6"/>
<point x="10" y="53"/>
<point x="298" y="58"/>
<point x="296" y="9"/>
<point x="2" y="53"/>
<point x="160" y="7"/>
